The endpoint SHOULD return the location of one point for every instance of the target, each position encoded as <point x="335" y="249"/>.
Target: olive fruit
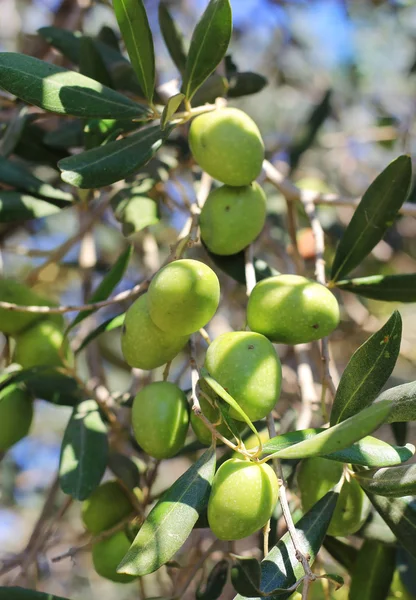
<point x="227" y="144"/>
<point x="105" y="507"/>
<point x="183" y="296"/>
<point x="108" y="554"/>
<point x="144" y="345"/>
<point x="243" y="497"/>
<point x="16" y="415"/>
<point x="43" y="344"/>
<point x="13" y="322"/>
<point x="160" y="419"/>
<point x="213" y="415"/>
<point x="246" y="365"/>
<point x="291" y="309"/>
<point x="316" y="476"/>
<point x="232" y="217"/>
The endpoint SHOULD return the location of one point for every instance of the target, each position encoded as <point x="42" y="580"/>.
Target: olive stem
<point x="266" y="531"/>
<point x="250" y="271"/>
<point x="304" y="560"/>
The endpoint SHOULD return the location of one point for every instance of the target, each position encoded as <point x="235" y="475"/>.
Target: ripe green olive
<point x="160" y="419"/>
<point x="16" y="415"/>
<point x="242" y="499"/>
<point x="12" y="323"/>
<point x="108" y="554"/>
<point x="232" y="217"/>
<point x="107" y="506"/>
<point x="246" y="365"/>
<point x="227" y="144"/>
<point x="316" y="476"/>
<point x="43" y="344"/>
<point x="214" y="416"/>
<point x="291" y="309"/>
<point x="183" y="296"/>
<point x="144" y="345"/>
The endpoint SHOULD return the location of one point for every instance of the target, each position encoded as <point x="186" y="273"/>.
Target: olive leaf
<point x="368" y="370"/>
<point x="342" y="552"/>
<point x="171" y="107"/>
<point x="134" y="26"/>
<point x="403" y="399"/>
<point x="170" y="522"/>
<point x="108" y="325"/>
<point x="393" y="482"/>
<point x="19" y="593"/>
<point x="388" y="288"/>
<point x="373" y="216"/>
<point x="15" y="206"/>
<point x="172" y="37"/>
<point x="215" y="582"/>
<point x="209" y="44"/>
<point x="91" y="62"/>
<point x="373" y="571"/>
<point x="61" y="91"/>
<point x="84" y="451"/>
<point x="400" y="516"/>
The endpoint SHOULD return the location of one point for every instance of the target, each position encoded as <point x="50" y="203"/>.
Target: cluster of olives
<point x="38" y="341"/>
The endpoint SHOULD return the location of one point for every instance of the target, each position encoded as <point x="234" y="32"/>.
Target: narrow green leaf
<point x="67" y="42"/>
<point x="91" y="62"/>
<point x="107" y="285"/>
<point x="403" y="399"/>
<point x="373" y="216"/>
<point x="215" y="582"/>
<point x="18" y="593"/>
<point x="373" y="571"/>
<point x="280" y="568"/>
<point x="171" y="521"/>
<point x="134" y="26"/>
<point x="367" y="452"/>
<point x="406" y="566"/>
<point x="245" y="84"/>
<point x="224" y="395"/>
<point x="68" y="134"/>
<point x="84" y="451"/>
<point x="170" y="109"/>
<point x="246" y="575"/>
<point x="117" y="160"/>
<point x="17" y="176"/>
<point x="15" y="206"/>
<point x="342" y="552"/>
<point x="339" y="436"/>
<point x="61" y="91"/>
<point x="368" y="370"/>
<point x="173" y="37"/>
<point x="375" y="528"/>
<point x="134" y="210"/>
<point x="400" y="516"/>
<point x="214" y="87"/>
<point x="49" y="384"/>
<point x="234" y="266"/>
<point x="125" y="469"/>
<point x="14" y="131"/>
<point x="388" y="288"/>
<point x="108" y="325"/>
<point x="209" y="44"/>
<point x="393" y="482"/>
<point x="335" y="579"/>
<point x="108" y="36"/>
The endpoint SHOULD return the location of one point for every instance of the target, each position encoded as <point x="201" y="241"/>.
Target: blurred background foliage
<point x="338" y="106"/>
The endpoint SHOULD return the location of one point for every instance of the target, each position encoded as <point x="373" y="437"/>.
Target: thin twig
<point x="250" y="271"/>
<point x="306" y="384"/>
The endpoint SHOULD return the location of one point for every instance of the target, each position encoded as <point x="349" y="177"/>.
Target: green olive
<point x="246" y="365"/>
<point x="232" y="218"/>
<point x="107" y="506"/>
<point x="242" y="499"/>
<point x="291" y="309"/>
<point x="16" y="415"/>
<point x="144" y="345"/>
<point x="227" y="144"/>
<point x="108" y="554"/>
<point x="316" y="476"/>
<point x="214" y="416"/>
<point x="183" y="296"/>
<point x="160" y="419"/>
<point x="43" y="344"/>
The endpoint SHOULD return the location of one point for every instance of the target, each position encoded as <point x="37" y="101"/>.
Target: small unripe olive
<point x="227" y="144"/>
<point x="13" y="322"/>
<point x="108" y="554"/>
<point x="246" y="365"/>
<point x="290" y="309"/>
<point x="232" y="218"/>
<point x="43" y="344"/>
<point x="144" y="345"/>
<point x="213" y="415"/>
<point x="16" y="415"/>
<point x="183" y="296"/>
<point x="160" y="419"/>
<point x="107" y="506"/>
<point x="316" y="476"/>
<point x="243" y="497"/>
